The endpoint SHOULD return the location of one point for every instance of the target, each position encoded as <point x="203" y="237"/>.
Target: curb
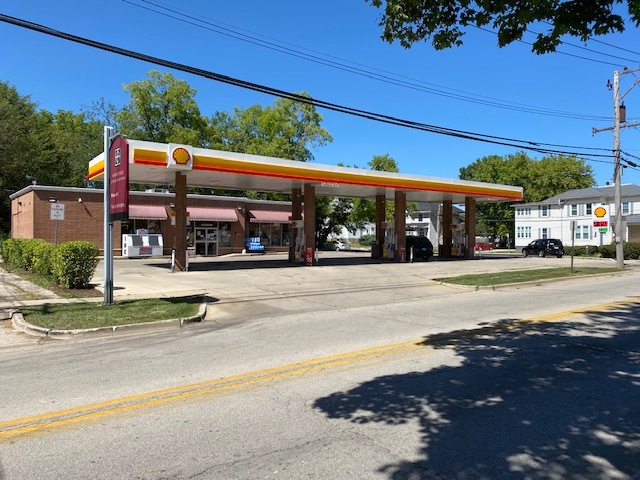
<point x="19" y="323"/>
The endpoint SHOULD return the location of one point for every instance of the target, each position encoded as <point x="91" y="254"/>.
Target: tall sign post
<point x="116" y="199"/>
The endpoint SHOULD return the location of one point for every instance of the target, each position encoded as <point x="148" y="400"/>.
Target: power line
<point x="557" y="51"/>
<point x="221" y="28"/>
<point x="492" y="139"/>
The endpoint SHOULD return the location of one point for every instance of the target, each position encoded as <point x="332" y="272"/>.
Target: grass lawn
<point x="91" y="315"/>
<point x="519" y="276"/>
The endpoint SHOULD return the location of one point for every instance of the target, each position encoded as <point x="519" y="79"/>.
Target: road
<point x="540" y="381"/>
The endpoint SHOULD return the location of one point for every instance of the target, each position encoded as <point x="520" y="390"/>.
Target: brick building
<point x="217" y="225"/>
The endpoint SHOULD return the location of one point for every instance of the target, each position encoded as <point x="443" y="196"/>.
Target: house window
<point x="544" y="211"/>
<point x="420" y="217"/>
<point x="574" y="210"/>
<point x="523" y="232"/>
<point x="582" y="232"/>
<point x="523" y="211"/>
<point x="626" y="208"/>
<point x="588" y="209"/>
<point x="545" y="233"/>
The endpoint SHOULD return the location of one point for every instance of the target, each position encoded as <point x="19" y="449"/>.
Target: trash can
<point x="374" y="251"/>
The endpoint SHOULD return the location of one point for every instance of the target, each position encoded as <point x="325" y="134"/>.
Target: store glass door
<point x="206" y="240"/>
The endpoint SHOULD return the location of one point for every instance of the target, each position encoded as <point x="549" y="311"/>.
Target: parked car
<point x="422" y="247"/>
<point x="543" y="247"/>
<point x="337" y="245"/>
<point x="484" y="246"/>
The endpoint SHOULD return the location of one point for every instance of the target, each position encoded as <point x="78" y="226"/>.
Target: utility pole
<point x="617" y="168"/>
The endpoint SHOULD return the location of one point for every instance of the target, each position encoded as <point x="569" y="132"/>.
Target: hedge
<point x="71" y="264"/>
<point x="74" y="263"/>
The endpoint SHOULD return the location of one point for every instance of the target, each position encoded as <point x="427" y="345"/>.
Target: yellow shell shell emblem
<point x="181" y="156"/>
<point x="600" y="212"/>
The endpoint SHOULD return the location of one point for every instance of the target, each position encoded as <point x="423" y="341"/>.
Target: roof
<point x="149" y="162"/>
<point x="605" y="193"/>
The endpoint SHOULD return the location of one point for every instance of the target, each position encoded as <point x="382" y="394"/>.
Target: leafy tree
<point x="25" y="148"/>
<point x="162" y="109"/>
<point x="364" y="211"/>
<point x="72" y="141"/>
<point x="443" y="21"/>
<point x="287" y="129"/>
<point x="540" y="179"/>
<point x="331" y="215"/>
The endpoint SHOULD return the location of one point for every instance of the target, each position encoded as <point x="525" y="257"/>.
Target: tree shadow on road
<point x="551" y="400"/>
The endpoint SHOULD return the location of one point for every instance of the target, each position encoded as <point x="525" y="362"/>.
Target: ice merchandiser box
<point x="145" y="245"/>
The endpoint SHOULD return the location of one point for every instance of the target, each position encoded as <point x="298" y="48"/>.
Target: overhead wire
<point x="492" y="139"/>
<point x="557" y="51"/>
<point x="197" y="20"/>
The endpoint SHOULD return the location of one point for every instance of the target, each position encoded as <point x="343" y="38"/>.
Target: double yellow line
<point x="24" y="426"/>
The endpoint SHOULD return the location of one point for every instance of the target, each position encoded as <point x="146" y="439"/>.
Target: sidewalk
<point x="244" y="286"/>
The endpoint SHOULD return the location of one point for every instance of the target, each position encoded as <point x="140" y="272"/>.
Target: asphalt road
<point x="396" y="377"/>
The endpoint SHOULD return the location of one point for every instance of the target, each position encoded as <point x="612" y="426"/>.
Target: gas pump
<point x="389" y="250"/>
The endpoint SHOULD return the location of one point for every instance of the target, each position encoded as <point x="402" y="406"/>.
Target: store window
<point x="224" y="234"/>
<point x="129" y="227"/>
<point x="272" y="234"/>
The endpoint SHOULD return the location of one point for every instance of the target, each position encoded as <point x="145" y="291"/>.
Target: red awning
<point x="267" y="216"/>
<point x="202" y="214"/>
<point x="147" y="212"/>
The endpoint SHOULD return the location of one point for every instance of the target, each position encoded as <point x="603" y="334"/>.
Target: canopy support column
<point x="401" y="226"/>
<point x="381" y="221"/>
<point x="309" y="224"/>
<point x="180" y="240"/>
<point x="296" y="216"/>
<point x="447" y="220"/>
<point x="470" y="227"/>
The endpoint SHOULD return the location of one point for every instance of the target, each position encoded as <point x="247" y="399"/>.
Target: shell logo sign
<point x="600" y="212"/>
<point x="601" y="218"/>
<point x="179" y="157"/>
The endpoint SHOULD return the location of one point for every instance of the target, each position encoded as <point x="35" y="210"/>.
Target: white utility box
<point x="147" y="245"/>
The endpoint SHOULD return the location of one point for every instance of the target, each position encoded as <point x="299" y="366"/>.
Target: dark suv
<point x="543" y="247"/>
<point x="422" y="247"/>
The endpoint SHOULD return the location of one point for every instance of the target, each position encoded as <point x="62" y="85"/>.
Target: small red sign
<point x="600" y="223"/>
<point x="119" y="180"/>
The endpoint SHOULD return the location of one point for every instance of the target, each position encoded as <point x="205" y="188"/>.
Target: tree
<point x="364" y="211"/>
<point x="162" y="109"/>
<point x="540" y="179"/>
<point x="443" y="21"/>
<point x="72" y="141"/>
<point x="288" y="130"/>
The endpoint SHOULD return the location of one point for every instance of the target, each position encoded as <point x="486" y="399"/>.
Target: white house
<point x="553" y="217"/>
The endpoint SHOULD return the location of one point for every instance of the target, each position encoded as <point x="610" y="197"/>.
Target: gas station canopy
<point x="156" y="163"/>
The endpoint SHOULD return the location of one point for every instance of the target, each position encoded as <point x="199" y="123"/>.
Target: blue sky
<point x="58" y="74"/>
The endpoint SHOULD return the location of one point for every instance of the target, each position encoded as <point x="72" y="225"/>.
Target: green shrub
<point x="630" y="250"/>
<point x="583" y="251"/>
<point x="74" y="263"/>
<point x="30" y="253"/>
<point x="367" y="240"/>
<point x="12" y="251"/>
<point x="42" y="263"/>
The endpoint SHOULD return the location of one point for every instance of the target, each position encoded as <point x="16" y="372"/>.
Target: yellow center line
<point x="12" y="428"/>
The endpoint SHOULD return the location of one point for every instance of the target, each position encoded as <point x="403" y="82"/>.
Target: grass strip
<point x="519" y="276"/>
<point x="71" y="316"/>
